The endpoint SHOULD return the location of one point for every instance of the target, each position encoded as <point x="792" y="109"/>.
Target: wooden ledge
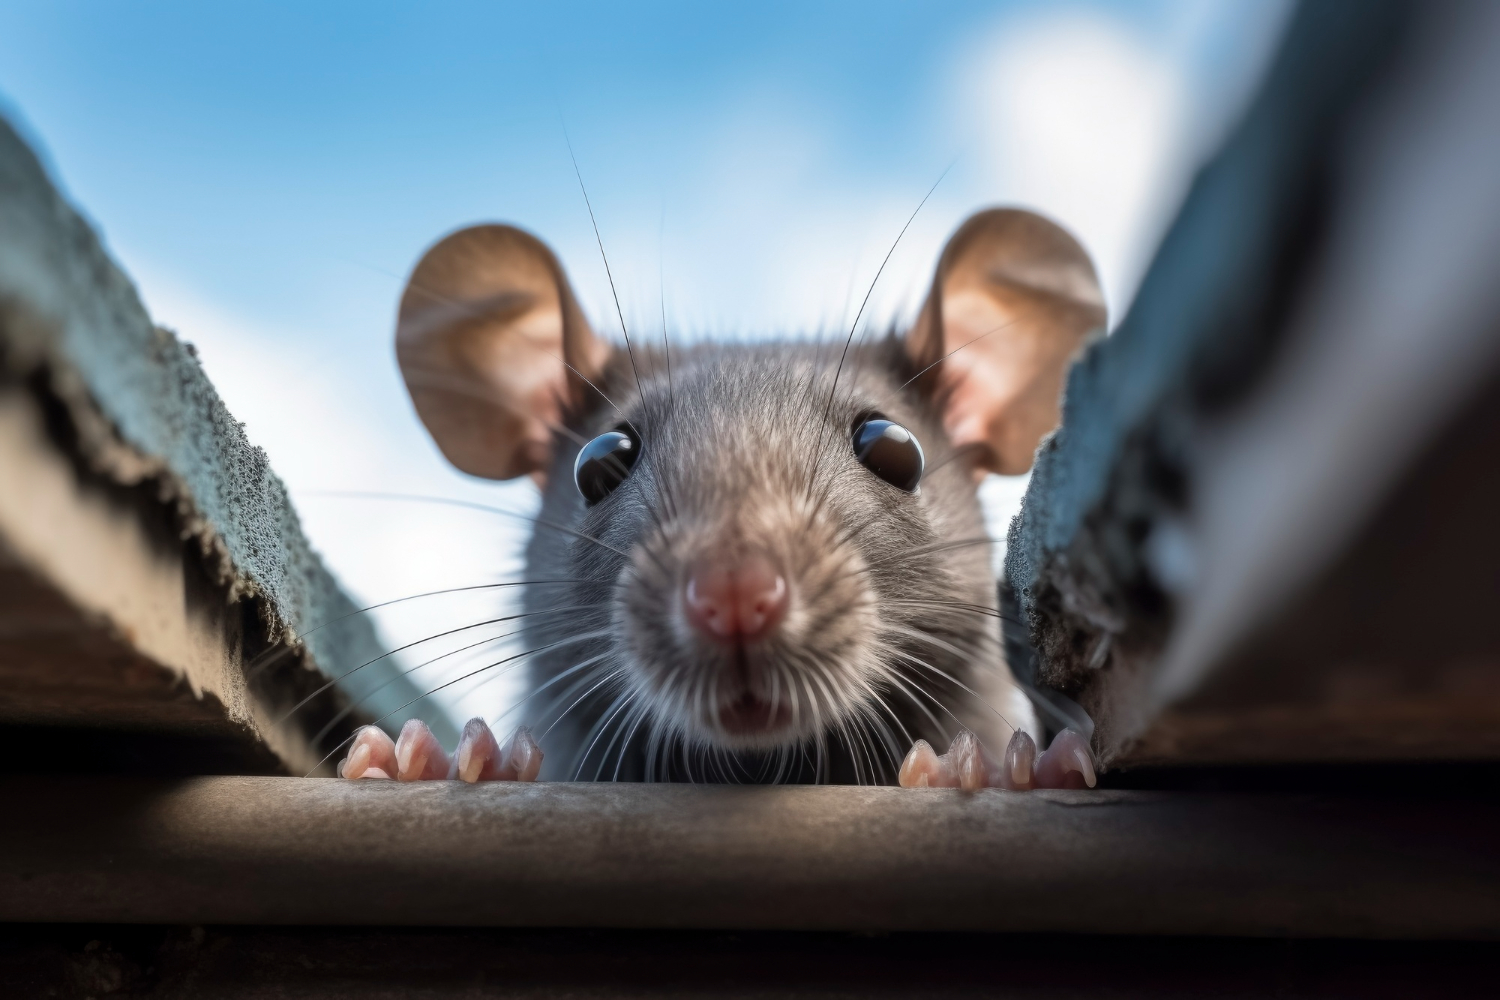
<point x="320" y="851"/>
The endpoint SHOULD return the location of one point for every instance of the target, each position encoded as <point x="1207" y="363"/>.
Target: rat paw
<point x="1068" y="763"/>
<point x="416" y="755"/>
<point x="481" y="758"/>
<point x="419" y="755"/>
<point x="371" y="755"/>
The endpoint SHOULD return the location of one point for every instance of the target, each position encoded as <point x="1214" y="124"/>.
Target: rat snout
<point x="735" y="600"/>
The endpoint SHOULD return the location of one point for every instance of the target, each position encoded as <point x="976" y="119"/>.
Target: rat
<point x="762" y="561"/>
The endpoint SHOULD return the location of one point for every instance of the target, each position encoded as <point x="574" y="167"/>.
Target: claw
<point x="923" y="768"/>
<point x="1017" y="769"/>
<point x="481" y="758"/>
<point x="1067" y="763"/>
<point x="419" y="755"/>
<point x="968" y="760"/>
<point x="371" y="755"/>
<point x="478" y="757"/>
<point x="522" y="758"/>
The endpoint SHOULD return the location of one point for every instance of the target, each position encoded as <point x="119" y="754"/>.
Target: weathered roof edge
<point x="145" y="413"/>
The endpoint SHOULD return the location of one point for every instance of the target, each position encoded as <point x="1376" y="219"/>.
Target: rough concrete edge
<point x="1198" y="336"/>
<point x="145" y="413"/>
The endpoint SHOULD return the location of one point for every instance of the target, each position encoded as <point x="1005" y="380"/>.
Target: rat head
<point x="778" y="541"/>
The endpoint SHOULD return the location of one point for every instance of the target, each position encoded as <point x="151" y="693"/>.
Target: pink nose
<point x="742" y="601"/>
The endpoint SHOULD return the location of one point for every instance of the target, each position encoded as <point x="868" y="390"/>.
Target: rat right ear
<point x="485" y="324"/>
<point x="1014" y="299"/>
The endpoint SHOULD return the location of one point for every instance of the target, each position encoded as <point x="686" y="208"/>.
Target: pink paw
<point x="1068" y="763"/>
<point x="481" y="758"/>
<point x="416" y="755"/>
<point x="371" y="755"/>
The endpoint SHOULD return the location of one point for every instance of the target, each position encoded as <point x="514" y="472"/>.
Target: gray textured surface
<point x="146" y="413"/>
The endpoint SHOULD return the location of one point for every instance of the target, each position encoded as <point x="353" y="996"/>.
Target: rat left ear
<point x="1014" y="299"/>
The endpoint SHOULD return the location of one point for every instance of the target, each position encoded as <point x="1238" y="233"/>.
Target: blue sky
<point x="268" y="172"/>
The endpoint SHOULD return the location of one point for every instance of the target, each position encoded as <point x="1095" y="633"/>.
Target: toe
<point x="1067" y="763"/>
<point x="1016" y="770"/>
<point x="419" y="755"/>
<point x="923" y="768"/>
<point x="967" y="759"/>
<point x="521" y="758"/>
<point x="478" y="757"/>
<point x="371" y="755"/>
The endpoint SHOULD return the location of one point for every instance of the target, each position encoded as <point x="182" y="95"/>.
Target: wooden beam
<point x="324" y="851"/>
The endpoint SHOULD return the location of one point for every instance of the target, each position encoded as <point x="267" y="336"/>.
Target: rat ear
<point x="485" y="324"/>
<point x="1013" y="300"/>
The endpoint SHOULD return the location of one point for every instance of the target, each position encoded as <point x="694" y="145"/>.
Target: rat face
<point x="771" y="546"/>
<point x="776" y="534"/>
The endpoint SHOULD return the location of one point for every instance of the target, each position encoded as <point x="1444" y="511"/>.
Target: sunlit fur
<point x="891" y="625"/>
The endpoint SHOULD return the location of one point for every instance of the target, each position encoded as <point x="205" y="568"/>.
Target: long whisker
<point x="355" y="704"/>
<point x="913" y="633"/>
<point x="255" y="663"/>
<point x="452" y="631"/>
<point x="579" y="700"/>
<point x="620" y="704"/>
<point x="561" y="675"/>
<point x="614" y="293"/>
<point x="978" y="609"/>
<point x="923" y="550"/>
<point x="864" y="303"/>
<point x="641" y="714"/>
<point x="945" y="357"/>
<point x="469" y="504"/>
<point x="437" y="378"/>
<point x="473" y="673"/>
<point x="962" y="451"/>
<point x="910" y="687"/>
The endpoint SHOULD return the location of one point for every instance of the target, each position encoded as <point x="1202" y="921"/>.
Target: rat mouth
<point x="749" y="716"/>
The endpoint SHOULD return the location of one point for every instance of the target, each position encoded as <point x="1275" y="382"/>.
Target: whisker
<point x="468" y="504"/>
<point x="947" y="676"/>
<point x="828" y="409"/>
<point x="945" y="357"/>
<point x="614" y="293"/>
<point x="639" y="713"/>
<point x="473" y="673"/>
<point x="355" y="704"/>
<point x="604" y="720"/>
<point x="910" y="687"/>
<point x="561" y="675"/>
<point x="452" y="631"/>
<point x="281" y="650"/>
<point x="923" y="550"/>
<point x="579" y="700"/>
<point x="978" y="609"/>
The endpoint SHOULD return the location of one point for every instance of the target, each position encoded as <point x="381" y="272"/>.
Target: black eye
<point x="604" y="463"/>
<point x="891" y="452"/>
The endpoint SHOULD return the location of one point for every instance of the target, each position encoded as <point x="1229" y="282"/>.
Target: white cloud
<point x="1083" y="121"/>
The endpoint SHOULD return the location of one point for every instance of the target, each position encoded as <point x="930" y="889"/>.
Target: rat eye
<point x="891" y="452"/>
<point x="605" y="462"/>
